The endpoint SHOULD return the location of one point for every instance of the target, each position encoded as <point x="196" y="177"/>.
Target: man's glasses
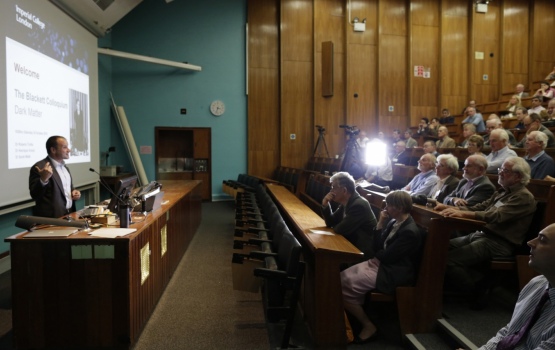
<point x="504" y="171"/>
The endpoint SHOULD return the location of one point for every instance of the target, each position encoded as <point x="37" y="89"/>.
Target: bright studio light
<point x="376" y="153"/>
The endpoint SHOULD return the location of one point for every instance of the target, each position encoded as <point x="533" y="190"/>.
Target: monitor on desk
<point x="124" y="188"/>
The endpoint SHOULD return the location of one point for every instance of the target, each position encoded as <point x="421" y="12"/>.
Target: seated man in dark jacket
<point x="353" y="218"/>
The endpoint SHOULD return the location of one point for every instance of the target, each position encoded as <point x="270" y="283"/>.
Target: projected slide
<point x="48" y="86"/>
<point x="41" y="103"/>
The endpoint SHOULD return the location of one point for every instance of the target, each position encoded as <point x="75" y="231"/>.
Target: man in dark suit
<point x="50" y="183"/>
<point x="474" y="188"/>
<point x="400" y="154"/>
<point x="353" y="218"/>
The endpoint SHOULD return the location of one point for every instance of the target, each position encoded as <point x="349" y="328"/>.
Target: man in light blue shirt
<point x="474" y="118"/>
<point x="423" y="182"/>
<point x="500" y="151"/>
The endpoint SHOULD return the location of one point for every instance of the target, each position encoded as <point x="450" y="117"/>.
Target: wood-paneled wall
<point x="374" y="85"/>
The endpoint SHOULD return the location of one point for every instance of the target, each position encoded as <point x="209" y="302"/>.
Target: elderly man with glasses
<point x="508" y="214"/>
<point x="352" y="218"/>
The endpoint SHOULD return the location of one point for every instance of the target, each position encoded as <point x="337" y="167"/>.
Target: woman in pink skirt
<point x="398" y="242"/>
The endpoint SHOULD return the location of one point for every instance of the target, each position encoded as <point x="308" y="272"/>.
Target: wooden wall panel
<point x="263" y="34"/>
<point x="296" y="30"/>
<point x="263" y="80"/>
<point x="542" y="51"/>
<point x="392" y="80"/>
<point x="425" y="13"/>
<point x="514" y="60"/>
<point x="486" y="30"/>
<point x="393" y="17"/>
<point x="393" y="63"/>
<point x="424" y="52"/>
<point x="296" y="78"/>
<point x="454" y="55"/>
<point x="329" y="24"/>
<point x="361" y="94"/>
<point x="296" y="113"/>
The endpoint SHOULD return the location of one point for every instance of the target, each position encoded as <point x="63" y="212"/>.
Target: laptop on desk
<point x="55" y="231"/>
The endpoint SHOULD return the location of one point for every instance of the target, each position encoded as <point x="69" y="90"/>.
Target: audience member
<point x="475" y="145"/>
<point x="532" y="122"/>
<point x="545" y="91"/>
<point x="508" y="213"/>
<point x="551" y="109"/>
<point x="447" y="166"/>
<point x="444" y="140"/>
<point x="423" y="129"/>
<point x="496" y="123"/>
<point x="396" y="135"/>
<point x="498" y="140"/>
<point x="398" y="243"/>
<point x="471" y="103"/>
<point x="473" y="117"/>
<point x="541" y="164"/>
<point x="520" y="113"/>
<point x="513" y="104"/>
<point x="474" y="188"/>
<point x="409" y="141"/>
<point x="353" y="218"/>
<point x="400" y="154"/>
<point x="468" y="130"/>
<point x="362" y="139"/>
<point x="380" y="175"/>
<point x="520" y="91"/>
<point x="536" y="105"/>
<point x="434" y="126"/>
<point x="446" y="117"/>
<point x="535" y="302"/>
<point x="423" y="182"/>
<point x="430" y="147"/>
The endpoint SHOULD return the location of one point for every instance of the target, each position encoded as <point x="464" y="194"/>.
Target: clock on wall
<point x="217" y="108"/>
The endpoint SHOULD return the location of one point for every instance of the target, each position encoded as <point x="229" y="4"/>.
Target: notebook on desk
<point x="52" y="232"/>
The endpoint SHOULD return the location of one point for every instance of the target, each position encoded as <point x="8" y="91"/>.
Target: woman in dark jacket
<point x="398" y="244"/>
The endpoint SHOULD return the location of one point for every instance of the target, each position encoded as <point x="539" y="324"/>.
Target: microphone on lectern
<point x="124" y="207"/>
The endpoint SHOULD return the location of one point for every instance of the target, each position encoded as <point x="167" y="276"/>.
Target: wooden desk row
<point x="322" y="300"/>
<point x="89" y="292"/>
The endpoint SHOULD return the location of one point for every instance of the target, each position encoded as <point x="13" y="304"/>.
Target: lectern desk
<point x="88" y="292"/>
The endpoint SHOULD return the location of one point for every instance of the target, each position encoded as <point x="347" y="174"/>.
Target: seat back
<point x="289" y="253"/>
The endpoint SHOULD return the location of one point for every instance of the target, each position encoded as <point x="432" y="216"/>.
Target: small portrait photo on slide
<point x="78" y="123"/>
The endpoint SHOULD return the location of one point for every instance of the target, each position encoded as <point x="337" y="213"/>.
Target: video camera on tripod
<point x="350" y="130"/>
<point x="320" y="128"/>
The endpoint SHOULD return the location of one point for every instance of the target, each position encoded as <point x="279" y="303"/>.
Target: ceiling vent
<point x="103" y="4"/>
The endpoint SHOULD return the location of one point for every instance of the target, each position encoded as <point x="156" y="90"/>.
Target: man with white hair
<point x="508" y="214"/>
<point x="495" y="123"/>
<point x="447" y="166"/>
<point x="541" y="164"/>
<point x="468" y="130"/>
<point x="500" y="151"/>
<point x="520" y="91"/>
<point x="474" y="188"/>
<point x="533" y="122"/>
<point x="422" y="183"/>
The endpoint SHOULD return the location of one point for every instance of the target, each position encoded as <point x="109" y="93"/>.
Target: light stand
<point x="352" y="150"/>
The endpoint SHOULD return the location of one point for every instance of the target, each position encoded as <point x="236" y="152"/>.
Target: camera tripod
<point x="352" y="158"/>
<point x="320" y="141"/>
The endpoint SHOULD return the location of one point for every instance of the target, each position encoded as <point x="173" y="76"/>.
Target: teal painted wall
<point x="210" y="34"/>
